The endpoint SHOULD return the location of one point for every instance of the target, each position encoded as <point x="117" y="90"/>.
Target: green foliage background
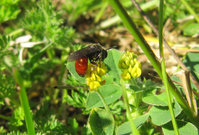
<point x="41" y="62"/>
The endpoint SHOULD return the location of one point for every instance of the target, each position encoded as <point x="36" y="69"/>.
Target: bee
<point x="93" y="52"/>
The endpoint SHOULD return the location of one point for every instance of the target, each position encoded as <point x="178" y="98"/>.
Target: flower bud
<point x="129" y="65"/>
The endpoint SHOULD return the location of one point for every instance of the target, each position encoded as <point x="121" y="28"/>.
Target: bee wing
<point x="76" y="55"/>
<point x="83" y="52"/>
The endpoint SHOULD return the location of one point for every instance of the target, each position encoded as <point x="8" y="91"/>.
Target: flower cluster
<point x="130" y="66"/>
<point x="94" y="74"/>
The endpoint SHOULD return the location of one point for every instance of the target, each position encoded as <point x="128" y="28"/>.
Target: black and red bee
<point x="92" y="52"/>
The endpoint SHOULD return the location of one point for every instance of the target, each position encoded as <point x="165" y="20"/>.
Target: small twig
<point x="147" y="19"/>
<point x="189" y="92"/>
<point x="197" y="95"/>
<point x="68" y="87"/>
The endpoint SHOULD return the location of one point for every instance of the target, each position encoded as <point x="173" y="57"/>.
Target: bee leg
<point x="93" y="62"/>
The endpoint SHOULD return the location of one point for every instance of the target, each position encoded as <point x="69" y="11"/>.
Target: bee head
<point x="103" y="54"/>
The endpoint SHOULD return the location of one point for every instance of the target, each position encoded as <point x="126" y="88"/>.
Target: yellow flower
<point x="93" y="75"/>
<point x="93" y="85"/>
<point x="102" y="69"/>
<point x="126" y="75"/>
<point x="136" y="72"/>
<point x="129" y="65"/>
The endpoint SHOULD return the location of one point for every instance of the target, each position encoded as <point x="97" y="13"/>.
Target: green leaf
<point x="110" y="93"/>
<point x="4" y="42"/>
<point x="44" y="22"/>
<point x="154" y="99"/>
<point x="16" y="133"/>
<point x="108" y="79"/>
<point x="112" y="62"/>
<point x="125" y="128"/>
<point x="185" y="128"/>
<point x="9" y="12"/>
<point x="49" y="124"/>
<point x="17" y="118"/>
<point x="72" y="126"/>
<point x="191" y="29"/>
<point x="71" y="67"/>
<point x="7" y="87"/>
<point x="101" y="122"/>
<point x="161" y="115"/>
<point x="191" y="61"/>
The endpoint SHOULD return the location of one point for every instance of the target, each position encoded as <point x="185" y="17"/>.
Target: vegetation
<point x="41" y="92"/>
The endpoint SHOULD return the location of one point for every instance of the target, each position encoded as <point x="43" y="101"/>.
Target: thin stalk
<point x="151" y="56"/>
<point x="24" y="103"/>
<point x="190" y="10"/>
<point x="189" y="92"/>
<point x="165" y="80"/>
<point x="164" y="74"/>
<point x="103" y="101"/>
<point x="101" y="12"/>
<point x="4" y="117"/>
<point x="126" y="103"/>
<point x="161" y="29"/>
<point x="16" y="32"/>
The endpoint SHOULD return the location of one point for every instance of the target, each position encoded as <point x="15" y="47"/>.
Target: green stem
<point x="190" y="10"/>
<point x="126" y="103"/>
<point x="24" y="103"/>
<point x="163" y="67"/>
<point x="151" y="56"/>
<point x="103" y="101"/>
<point x="16" y="32"/>
<point x="160" y="29"/>
<point x="165" y="80"/>
<point x="101" y="12"/>
<point x="4" y="117"/>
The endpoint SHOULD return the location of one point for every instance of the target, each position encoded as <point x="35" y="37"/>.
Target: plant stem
<point x="103" y="101"/>
<point x="161" y="29"/>
<point x="164" y="74"/>
<point x="153" y="59"/>
<point x="24" y="103"/>
<point x="126" y="103"/>
<point x="4" y="117"/>
<point x="16" y="32"/>
<point x="190" y="10"/>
